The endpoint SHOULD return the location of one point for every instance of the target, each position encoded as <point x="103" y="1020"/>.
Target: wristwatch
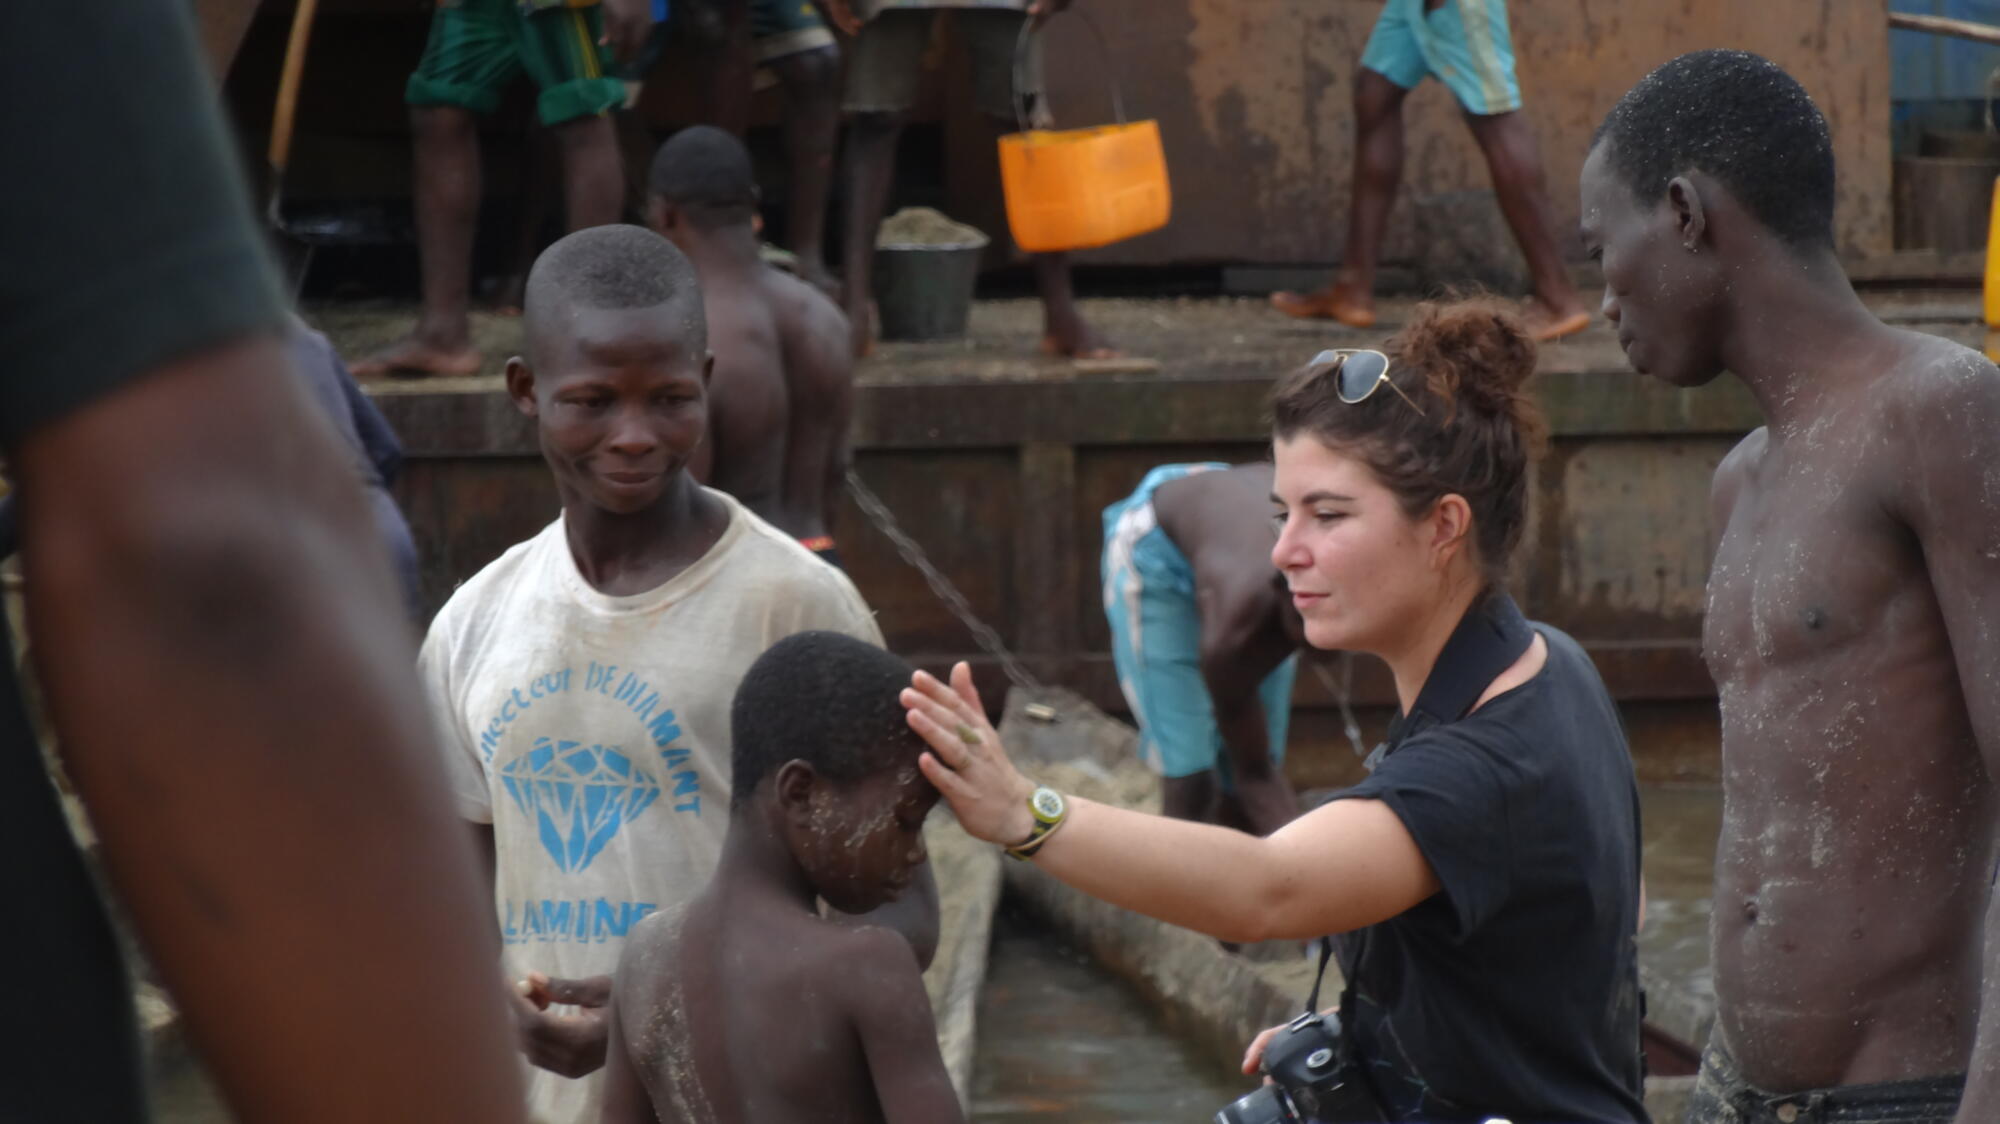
<point x="1049" y="809"/>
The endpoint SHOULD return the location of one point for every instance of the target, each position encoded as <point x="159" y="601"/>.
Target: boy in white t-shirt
<point x="584" y="678"/>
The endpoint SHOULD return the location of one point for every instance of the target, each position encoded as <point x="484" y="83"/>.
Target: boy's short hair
<point x="618" y="266"/>
<point x="707" y="173"/>
<point x="824" y="698"/>
<point x="1740" y="118"/>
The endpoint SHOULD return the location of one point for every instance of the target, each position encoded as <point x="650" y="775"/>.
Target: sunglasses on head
<point x="1359" y="372"/>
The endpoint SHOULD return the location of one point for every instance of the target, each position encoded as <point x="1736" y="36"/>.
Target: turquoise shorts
<point x="1156" y="641"/>
<point x="1465" y="43"/>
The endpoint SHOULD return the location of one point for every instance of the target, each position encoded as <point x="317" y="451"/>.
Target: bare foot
<point x="411" y="357"/>
<point x="1546" y="323"/>
<point x="512" y="295"/>
<point x="1338" y="301"/>
<point x="1076" y="341"/>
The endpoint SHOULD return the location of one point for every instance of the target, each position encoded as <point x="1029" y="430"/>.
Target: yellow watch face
<point x="1047" y="804"/>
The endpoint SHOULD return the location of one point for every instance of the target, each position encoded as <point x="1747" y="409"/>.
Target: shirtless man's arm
<point x="1240" y="645"/>
<point x="892" y="1016"/>
<point x="1952" y="502"/>
<point x="264" y="789"/>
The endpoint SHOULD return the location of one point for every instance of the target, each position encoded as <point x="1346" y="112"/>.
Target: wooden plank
<point x="1944" y="25"/>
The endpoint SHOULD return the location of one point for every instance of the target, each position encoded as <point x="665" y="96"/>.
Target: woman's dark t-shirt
<point x="1514" y="991"/>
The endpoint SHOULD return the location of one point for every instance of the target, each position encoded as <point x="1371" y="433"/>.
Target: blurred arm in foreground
<point x="218" y="636"/>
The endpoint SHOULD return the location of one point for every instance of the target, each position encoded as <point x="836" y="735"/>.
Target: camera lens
<point x="1268" y="1105"/>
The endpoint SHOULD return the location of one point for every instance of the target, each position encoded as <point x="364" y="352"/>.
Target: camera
<point x="1311" y="1080"/>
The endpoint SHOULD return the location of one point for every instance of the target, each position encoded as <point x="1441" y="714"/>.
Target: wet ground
<point x="1060" y="1040"/>
<point x="1680" y="829"/>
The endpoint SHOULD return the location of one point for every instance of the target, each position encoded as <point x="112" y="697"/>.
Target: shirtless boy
<point x="1205" y="640"/>
<point x="1853" y="620"/>
<point x="748" y="1005"/>
<point x="783" y="387"/>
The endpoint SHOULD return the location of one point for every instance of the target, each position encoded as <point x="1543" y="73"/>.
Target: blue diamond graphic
<point x="579" y="795"/>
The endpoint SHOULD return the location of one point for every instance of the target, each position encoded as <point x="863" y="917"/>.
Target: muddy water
<point x="1061" y="1041"/>
<point x="1680" y="829"/>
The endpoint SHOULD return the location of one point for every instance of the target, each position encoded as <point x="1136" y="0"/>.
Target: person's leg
<point x="560" y="50"/>
<point x="1515" y="161"/>
<point x="871" y="168"/>
<point x="1378" y="167"/>
<point x="446" y="202"/>
<point x="812" y="131"/>
<point x="1392" y="64"/>
<point x="1193" y="797"/>
<point x="1064" y="331"/>
<point x="469" y="58"/>
<point x="593" y="171"/>
<point x="1470" y="47"/>
<point x="726" y="93"/>
<point x="884" y="67"/>
<point x="1005" y="89"/>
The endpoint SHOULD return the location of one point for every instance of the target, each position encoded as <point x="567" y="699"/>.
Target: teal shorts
<point x="478" y="47"/>
<point x="1465" y="43"/>
<point x="1156" y="641"/>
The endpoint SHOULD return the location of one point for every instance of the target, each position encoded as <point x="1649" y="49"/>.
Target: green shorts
<point x="885" y="64"/>
<point x="477" y="47"/>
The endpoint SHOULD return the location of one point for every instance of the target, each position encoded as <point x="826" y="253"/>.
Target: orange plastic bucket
<point x="1074" y="189"/>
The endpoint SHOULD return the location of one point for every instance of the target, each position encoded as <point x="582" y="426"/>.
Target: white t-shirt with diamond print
<point x="592" y="732"/>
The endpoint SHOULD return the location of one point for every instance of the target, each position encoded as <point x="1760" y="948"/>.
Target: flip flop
<point x="1569" y="325"/>
<point x="1051" y="348"/>
<point x="1335" y="302"/>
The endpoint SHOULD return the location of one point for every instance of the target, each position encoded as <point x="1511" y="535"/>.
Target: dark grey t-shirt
<point x="1514" y="991"/>
<point x="125" y="243"/>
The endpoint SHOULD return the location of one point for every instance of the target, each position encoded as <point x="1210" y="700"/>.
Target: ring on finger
<point x="967" y="734"/>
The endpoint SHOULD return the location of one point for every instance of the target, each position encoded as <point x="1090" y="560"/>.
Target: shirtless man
<point x="1853" y="622"/>
<point x="748" y="1004"/>
<point x="1205" y="639"/>
<point x="783" y="388"/>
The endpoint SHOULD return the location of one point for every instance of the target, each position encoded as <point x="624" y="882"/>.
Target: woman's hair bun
<point x="1472" y="354"/>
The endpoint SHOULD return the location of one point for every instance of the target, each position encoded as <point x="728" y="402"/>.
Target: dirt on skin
<point x="923" y="226"/>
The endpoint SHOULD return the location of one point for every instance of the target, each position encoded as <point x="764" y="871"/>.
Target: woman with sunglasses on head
<point x="1484" y="879"/>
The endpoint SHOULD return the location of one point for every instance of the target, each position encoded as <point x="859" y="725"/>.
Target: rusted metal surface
<point x="1252" y="98"/>
<point x="1253" y="102"/>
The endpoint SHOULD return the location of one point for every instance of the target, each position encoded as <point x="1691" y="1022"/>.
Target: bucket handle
<point x="1021" y="56"/>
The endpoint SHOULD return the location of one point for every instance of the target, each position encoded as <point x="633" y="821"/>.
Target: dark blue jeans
<point x="1721" y="1096"/>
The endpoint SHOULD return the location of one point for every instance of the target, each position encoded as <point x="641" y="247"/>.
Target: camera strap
<point x="1489" y="638"/>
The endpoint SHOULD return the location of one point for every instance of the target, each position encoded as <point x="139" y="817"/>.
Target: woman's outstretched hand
<point x="966" y="763"/>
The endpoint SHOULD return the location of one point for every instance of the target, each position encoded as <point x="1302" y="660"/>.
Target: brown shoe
<point x="1545" y="327"/>
<point x="1338" y="301"/>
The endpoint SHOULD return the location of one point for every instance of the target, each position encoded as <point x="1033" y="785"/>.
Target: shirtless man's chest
<point x="1856" y="839"/>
